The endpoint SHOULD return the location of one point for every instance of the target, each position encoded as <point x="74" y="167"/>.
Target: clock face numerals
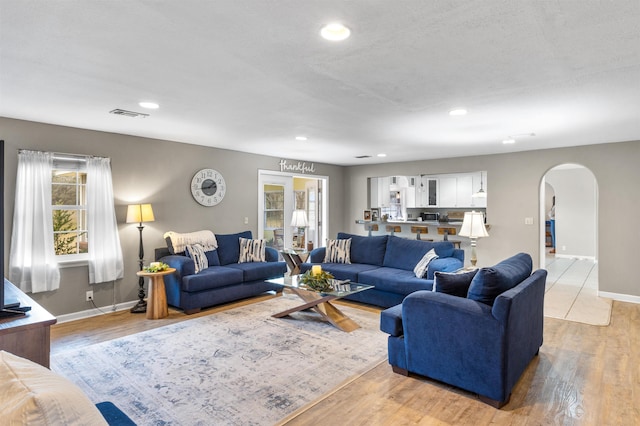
<point x="208" y="187"/>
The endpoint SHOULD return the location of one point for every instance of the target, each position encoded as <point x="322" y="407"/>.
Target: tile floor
<point x="572" y="292"/>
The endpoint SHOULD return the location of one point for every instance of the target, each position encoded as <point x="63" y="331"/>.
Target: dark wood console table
<point x="26" y="335"/>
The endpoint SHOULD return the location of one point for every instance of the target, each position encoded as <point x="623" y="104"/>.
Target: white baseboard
<point x="95" y="312"/>
<point x="620" y="297"/>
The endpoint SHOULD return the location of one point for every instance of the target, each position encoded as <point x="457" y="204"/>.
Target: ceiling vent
<point x="126" y="113"/>
<point x="363" y="156"/>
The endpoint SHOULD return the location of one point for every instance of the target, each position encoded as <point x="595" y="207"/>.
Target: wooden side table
<point x="157" y="300"/>
<point x="294" y="259"/>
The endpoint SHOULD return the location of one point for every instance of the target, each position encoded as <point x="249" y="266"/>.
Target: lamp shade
<point x="473" y="225"/>
<point x="299" y="218"/>
<point x="138" y="213"/>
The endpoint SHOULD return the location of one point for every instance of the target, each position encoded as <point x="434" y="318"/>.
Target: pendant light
<point x="481" y="193"/>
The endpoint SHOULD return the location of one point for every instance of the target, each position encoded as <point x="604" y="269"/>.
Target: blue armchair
<point x="480" y="346"/>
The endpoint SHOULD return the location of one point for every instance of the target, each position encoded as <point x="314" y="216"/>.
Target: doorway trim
<point x="323" y="206"/>
<point x="543" y="212"/>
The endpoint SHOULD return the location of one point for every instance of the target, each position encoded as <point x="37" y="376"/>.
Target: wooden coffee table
<point x="320" y="302"/>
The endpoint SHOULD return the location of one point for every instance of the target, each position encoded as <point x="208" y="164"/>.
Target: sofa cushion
<point x="229" y="246"/>
<point x="212" y="257"/>
<point x="405" y="254"/>
<point x="342" y="271"/>
<point x="456" y="284"/>
<point x="366" y="249"/>
<point x="251" y="250"/>
<point x="421" y="268"/>
<point x="196" y="252"/>
<point x="252" y="271"/>
<point x="338" y="251"/>
<point x="490" y="282"/>
<point x="212" y="277"/>
<point x="394" y="280"/>
<point x="31" y="394"/>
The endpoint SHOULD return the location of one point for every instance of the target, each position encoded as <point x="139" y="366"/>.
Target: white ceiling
<point x="250" y="75"/>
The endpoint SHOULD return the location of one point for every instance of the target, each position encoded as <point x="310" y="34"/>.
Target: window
<point x="69" y="212"/>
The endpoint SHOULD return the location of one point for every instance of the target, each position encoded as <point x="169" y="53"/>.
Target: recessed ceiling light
<point x="458" y="111"/>
<point x="150" y="105"/>
<point x="335" y="32"/>
<point x="382" y="155"/>
<point x="509" y="141"/>
<point x="301" y="138"/>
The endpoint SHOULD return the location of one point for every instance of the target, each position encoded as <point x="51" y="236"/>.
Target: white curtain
<point x="32" y="262"/>
<point x="105" y="253"/>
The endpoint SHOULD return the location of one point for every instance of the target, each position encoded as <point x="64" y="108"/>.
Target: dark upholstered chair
<point x="481" y="343"/>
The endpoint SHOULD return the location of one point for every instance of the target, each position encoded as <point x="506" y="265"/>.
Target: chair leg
<point x="399" y="370"/>
<point x="494" y="403"/>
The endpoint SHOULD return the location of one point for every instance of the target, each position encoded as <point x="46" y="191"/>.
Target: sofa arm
<point x="317" y="255"/>
<point x="443" y="264"/>
<point x="271" y="254"/>
<point x="183" y="264"/>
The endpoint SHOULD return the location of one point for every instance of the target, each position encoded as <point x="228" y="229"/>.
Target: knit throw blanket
<point x="177" y="242"/>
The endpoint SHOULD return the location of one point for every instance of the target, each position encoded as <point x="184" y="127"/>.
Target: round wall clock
<point x="208" y="187"/>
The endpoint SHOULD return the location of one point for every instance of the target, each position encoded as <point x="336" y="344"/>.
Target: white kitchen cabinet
<point x="464" y="190"/>
<point x="447" y="193"/>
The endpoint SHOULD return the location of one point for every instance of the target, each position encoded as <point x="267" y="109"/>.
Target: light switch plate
<point x="528" y="221"/>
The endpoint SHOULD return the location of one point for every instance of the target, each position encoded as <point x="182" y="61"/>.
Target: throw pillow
<point x="251" y="250"/>
<point x="196" y="252"/>
<point x="421" y="268"/>
<point x="338" y="251"/>
<point x="454" y="283"/>
<point x="35" y="395"/>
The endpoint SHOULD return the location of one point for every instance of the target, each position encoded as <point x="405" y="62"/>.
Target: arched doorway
<point x="575" y="190"/>
<point x="572" y="279"/>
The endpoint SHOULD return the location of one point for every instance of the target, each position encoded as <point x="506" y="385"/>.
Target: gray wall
<point x="151" y="171"/>
<point x="514" y="182"/>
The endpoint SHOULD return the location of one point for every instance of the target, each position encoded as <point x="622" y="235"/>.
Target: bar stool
<point x="393" y="229"/>
<point x="449" y="231"/>
<point x="370" y="227"/>
<point x="419" y="230"/>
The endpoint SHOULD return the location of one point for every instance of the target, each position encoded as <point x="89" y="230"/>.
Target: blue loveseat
<point x="481" y="343"/>
<point x="225" y="279"/>
<point x="387" y="263"/>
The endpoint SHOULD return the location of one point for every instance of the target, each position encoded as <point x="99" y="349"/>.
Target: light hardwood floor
<point x="584" y="375"/>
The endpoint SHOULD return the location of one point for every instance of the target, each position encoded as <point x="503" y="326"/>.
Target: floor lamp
<point x="473" y="227"/>
<point x="140" y="213"/>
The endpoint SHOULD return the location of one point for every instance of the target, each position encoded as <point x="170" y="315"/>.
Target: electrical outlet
<point x="564" y="248"/>
<point x="246" y="220"/>
<point x="528" y="221"/>
<point x="89" y="296"/>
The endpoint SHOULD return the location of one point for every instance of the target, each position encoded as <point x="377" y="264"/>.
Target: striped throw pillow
<point x="251" y="251"/>
<point x="338" y="251"/>
<point x="421" y="268"/>
<point x="196" y="252"/>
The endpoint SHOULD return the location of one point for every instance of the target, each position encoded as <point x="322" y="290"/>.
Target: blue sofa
<point x="387" y="263"/>
<point x="481" y="343"/>
<point x="225" y="280"/>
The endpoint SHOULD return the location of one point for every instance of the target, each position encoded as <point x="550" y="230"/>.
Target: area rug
<point x="237" y="367"/>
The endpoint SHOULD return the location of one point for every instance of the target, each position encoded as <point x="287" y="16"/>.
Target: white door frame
<point x="277" y="178"/>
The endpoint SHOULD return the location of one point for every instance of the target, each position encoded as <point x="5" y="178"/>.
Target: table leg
<point x="322" y="305"/>
<point x="157" y="300"/>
